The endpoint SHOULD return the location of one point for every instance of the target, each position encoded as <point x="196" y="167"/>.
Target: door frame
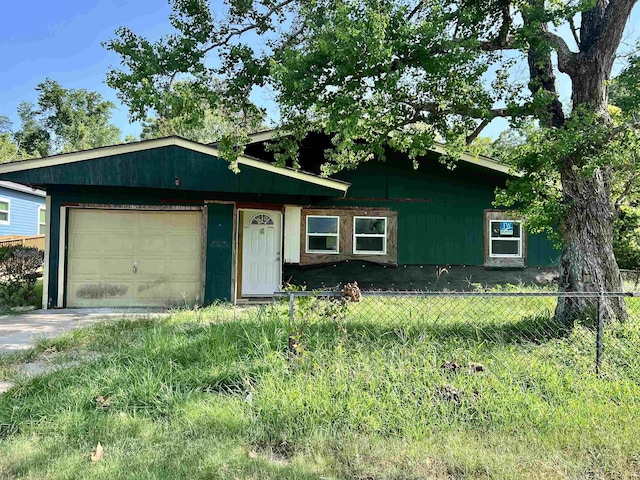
<point x="65" y="211"/>
<point x="240" y="247"/>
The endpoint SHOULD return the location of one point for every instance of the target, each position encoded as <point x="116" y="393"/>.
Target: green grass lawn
<point x="217" y="393"/>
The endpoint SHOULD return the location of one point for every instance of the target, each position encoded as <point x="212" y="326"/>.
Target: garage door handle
<point x="135" y="267"/>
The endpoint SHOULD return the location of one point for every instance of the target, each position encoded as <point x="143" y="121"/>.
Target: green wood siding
<point x="440" y="211"/>
<point x="219" y="266"/>
<point x="164" y="167"/>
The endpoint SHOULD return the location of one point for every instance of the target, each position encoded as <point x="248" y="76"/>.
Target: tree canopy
<point x="63" y="120"/>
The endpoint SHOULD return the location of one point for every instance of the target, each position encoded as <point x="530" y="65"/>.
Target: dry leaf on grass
<point x="98" y="453"/>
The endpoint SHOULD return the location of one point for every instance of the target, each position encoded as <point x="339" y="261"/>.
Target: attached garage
<point x="133" y="258"/>
<point x="157" y="223"/>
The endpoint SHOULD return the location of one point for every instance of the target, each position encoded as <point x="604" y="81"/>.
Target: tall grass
<point x="217" y="393"/>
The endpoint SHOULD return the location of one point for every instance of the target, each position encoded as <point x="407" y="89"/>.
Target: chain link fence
<point x="470" y="331"/>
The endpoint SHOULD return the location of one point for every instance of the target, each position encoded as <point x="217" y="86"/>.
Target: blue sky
<point x="60" y="39"/>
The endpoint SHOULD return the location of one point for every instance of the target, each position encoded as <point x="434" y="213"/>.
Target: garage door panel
<point x="185" y="244"/>
<point x="105" y="244"/>
<point x="152" y="243"/>
<point x="155" y="221"/>
<point x="117" y="244"/>
<point x="118" y="220"/>
<point x="183" y="267"/>
<point x="94" y="293"/>
<point x="157" y="289"/>
<point x="86" y="242"/>
<point x="85" y="267"/>
<point x="189" y="223"/>
<point x="117" y="267"/>
<point x="151" y="267"/>
<point x="184" y="290"/>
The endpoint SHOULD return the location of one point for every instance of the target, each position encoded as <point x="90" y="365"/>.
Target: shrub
<point x="19" y="270"/>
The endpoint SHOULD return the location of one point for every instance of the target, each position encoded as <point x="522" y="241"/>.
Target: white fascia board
<point x="22" y="188"/>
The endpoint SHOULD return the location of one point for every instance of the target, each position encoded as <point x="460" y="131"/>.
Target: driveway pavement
<point x="17" y="332"/>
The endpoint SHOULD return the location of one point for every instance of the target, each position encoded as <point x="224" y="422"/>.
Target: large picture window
<point x="370" y="235"/>
<point x="323" y="234"/>
<point x="505" y="239"/>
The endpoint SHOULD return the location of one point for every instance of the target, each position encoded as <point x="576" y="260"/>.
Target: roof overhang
<point x="133" y="147"/>
<point x="480" y="160"/>
<point x="22" y="188"/>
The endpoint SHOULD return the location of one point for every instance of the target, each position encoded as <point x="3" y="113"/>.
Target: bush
<point x="19" y="270"/>
<point x="626" y="238"/>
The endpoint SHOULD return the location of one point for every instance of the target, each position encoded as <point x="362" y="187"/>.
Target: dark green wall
<point x="219" y="266"/>
<point x="440" y="211"/>
<point x="160" y="168"/>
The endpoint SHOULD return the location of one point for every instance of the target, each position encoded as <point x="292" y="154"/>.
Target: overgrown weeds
<point x="216" y="393"/>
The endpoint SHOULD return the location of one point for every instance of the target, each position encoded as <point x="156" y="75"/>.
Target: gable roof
<point x="67" y="158"/>
<point x="480" y="160"/>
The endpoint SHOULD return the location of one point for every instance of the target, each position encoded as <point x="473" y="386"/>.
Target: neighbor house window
<point x="4" y="211"/>
<point x="370" y="235"/>
<point x="505" y="239"/>
<point x="42" y="216"/>
<point x="323" y="234"/>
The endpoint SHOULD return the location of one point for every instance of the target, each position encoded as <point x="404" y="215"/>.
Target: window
<point x="505" y="239"/>
<point x="370" y="235"/>
<point x="42" y="218"/>
<point x="261" y="219"/>
<point x="323" y="234"/>
<point x="4" y="211"/>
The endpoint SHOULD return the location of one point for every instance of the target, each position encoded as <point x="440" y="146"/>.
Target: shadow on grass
<point x="535" y="329"/>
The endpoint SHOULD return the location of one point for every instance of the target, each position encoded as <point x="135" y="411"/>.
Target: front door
<point x="260" y="252"/>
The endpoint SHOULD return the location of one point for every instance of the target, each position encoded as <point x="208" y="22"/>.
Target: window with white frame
<point x="370" y="235"/>
<point x="323" y="234"/>
<point x="42" y="219"/>
<point x="505" y="238"/>
<point x="5" y="205"/>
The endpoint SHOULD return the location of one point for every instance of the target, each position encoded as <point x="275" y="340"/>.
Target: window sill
<point x="504" y="263"/>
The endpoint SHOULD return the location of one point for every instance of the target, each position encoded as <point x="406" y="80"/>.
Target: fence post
<point x="600" y="332"/>
<point x="291" y="309"/>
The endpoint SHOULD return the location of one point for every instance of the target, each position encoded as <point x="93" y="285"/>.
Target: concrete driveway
<point x="17" y="332"/>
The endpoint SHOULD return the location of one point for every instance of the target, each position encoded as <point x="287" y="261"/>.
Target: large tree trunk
<point x="588" y="263"/>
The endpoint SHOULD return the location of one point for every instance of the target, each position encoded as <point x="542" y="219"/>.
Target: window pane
<point x="322" y="225"/>
<point x="371" y="226"/>
<point x="41" y="229"/>
<point x="4" y="216"/>
<point x="4" y="206"/>
<point x="501" y="247"/>
<point x="323" y="244"/>
<point x="369" y="244"/>
<point x="505" y="229"/>
<point x="42" y="215"/>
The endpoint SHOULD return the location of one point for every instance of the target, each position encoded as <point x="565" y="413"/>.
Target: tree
<point x="75" y="119"/>
<point x="405" y="72"/>
<point x="64" y="120"/>
<point x="186" y="114"/>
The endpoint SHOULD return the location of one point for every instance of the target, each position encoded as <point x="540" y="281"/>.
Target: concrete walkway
<point x="17" y="332"/>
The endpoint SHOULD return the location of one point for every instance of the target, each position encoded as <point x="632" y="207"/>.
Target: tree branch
<point x="470" y="138"/>
<point x="574" y="31"/>
<point x="567" y="60"/>
<point x="236" y="32"/>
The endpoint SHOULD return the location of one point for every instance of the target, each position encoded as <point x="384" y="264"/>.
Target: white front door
<point x="260" y="252"/>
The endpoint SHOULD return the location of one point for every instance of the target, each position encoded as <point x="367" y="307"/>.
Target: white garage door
<point x="133" y="258"/>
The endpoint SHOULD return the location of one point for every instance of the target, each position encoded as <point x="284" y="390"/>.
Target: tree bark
<point x="587" y="263"/>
